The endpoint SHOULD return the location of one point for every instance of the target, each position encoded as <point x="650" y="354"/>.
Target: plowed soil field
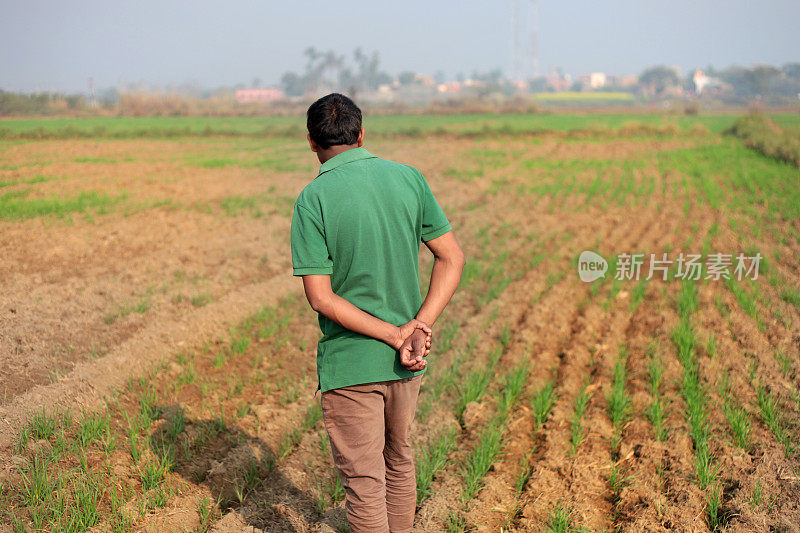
<point x="157" y="359"/>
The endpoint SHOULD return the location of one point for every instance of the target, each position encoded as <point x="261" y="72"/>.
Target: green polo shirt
<point x="361" y="221"/>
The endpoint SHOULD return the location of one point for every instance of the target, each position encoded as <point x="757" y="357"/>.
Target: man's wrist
<point x="394" y="337"/>
<point x="428" y="323"/>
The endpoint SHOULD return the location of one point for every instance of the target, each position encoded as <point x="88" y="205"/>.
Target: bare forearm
<point x="445" y="277"/>
<point x="351" y="317"/>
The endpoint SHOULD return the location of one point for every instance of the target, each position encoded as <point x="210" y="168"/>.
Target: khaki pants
<point x="369" y="427"/>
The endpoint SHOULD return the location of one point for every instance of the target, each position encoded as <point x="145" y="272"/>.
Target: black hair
<point x="333" y="120"/>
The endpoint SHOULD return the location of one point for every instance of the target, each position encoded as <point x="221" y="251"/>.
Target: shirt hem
<point x="304" y="271"/>
<point x="436" y="233"/>
<point x="362" y="381"/>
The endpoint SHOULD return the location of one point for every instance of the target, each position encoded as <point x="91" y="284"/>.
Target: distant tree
<point x="538" y="85"/>
<point x="656" y="80"/>
<point x="406" y="77"/>
<point x="327" y="70"/>
<point x="496" y="75"/>
<point x="311" y="76"/>
<point x="369" y="77"/>
<point x="688" y="81"/>
<point x="315" y="68"/>
<point x="256" y="83"/>
<point x="332" y="61"/>
<point x="39" y="104"/>
<point x="792" y="70"/>
<point x="108" y="97"/>
<point x="347" y="79"/>
<point x="319" y="65"/>
<point x="382" y="79"/>
<point x="751" y="82"/>
<point x="493" y="76"/>
<point x="787" y="83"/>
<point x="763" y="76"/>
<point x="293" y="84"/>
<point x="74" y="101"/>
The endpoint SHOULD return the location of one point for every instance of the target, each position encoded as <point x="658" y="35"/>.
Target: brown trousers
<point x="369" y="427"/>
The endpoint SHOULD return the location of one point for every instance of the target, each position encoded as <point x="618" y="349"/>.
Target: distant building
<point x="557" y="82"/>
<point x="705" y="84"/>
<point x="700" y="81"/>
<point x="625" y="81"/>
<point x="259" y="95"/>
<point x="597" y="80"/>
<point x="449" y="87"/>
<point x="425" y="79"/>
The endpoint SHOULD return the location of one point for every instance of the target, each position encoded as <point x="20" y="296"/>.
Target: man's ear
<point x="360" y="140"/>
<point x="312" y="144"/>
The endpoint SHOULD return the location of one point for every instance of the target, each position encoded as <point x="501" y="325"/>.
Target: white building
<point x="597" y="80"/>
<point x="700" y="81"/>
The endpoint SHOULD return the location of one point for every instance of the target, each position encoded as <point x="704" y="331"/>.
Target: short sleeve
<point x="434" y="221"/>
<point x="309" y="250"/>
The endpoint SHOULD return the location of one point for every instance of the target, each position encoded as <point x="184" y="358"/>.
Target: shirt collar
<point x="348" y="156"/>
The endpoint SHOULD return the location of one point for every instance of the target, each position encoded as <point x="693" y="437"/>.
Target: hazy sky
<point x="56" y="45"/>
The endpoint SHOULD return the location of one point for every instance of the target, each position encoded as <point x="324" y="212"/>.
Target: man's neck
<point x="333" y="151"/>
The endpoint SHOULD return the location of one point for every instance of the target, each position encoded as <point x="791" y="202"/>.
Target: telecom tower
<point x="525" y="39"/>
